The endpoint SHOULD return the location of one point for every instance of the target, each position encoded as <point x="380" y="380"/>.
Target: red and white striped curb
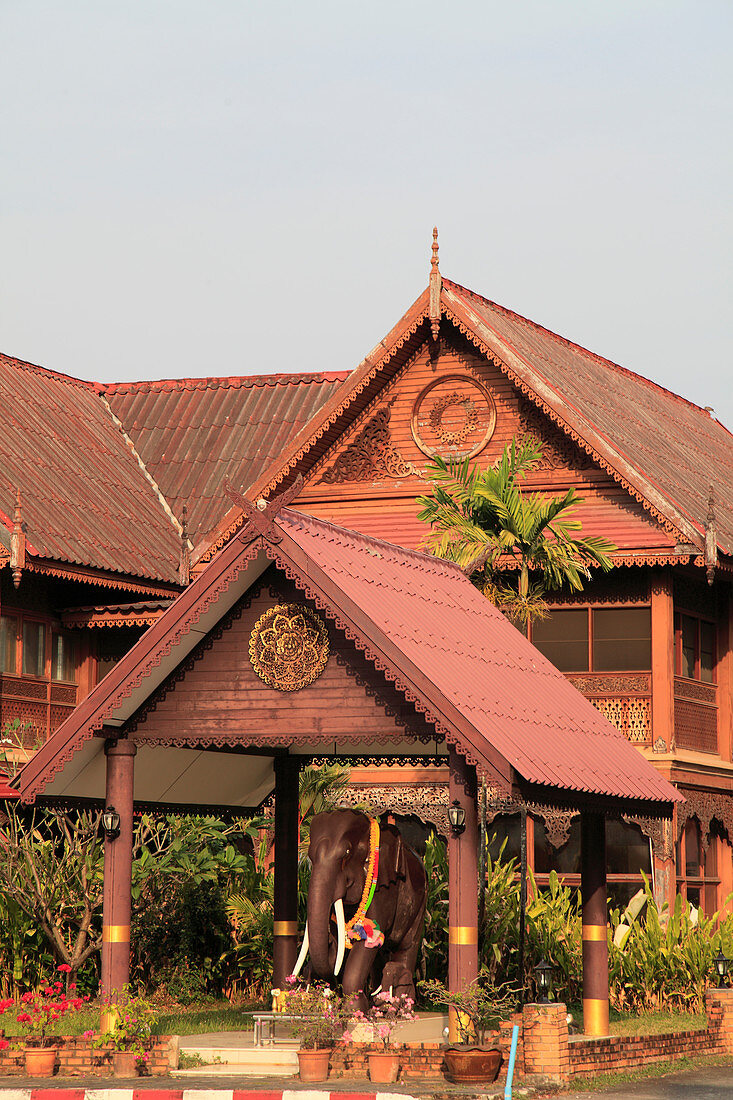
<point x="194" y="1094"/>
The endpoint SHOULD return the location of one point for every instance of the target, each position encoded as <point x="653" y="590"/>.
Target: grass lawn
<point x="648" y="1023"/>
<point x="218" y="1016"/>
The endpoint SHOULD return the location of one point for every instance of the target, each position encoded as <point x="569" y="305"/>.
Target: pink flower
<point x="347" y="1037"/>
<point x="64" y="968"/>
<point x="88" y="1035"/>
<point x="4" y="1044"/>
<point x="383" y="1031"/>
<point x="27" y="997"/>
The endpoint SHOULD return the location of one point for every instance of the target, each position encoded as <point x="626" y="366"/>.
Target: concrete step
<point x="270" y="1061"/>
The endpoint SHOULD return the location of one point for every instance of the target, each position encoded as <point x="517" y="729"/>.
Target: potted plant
<point x="40" y="1011"/>
<point x="478" y="1009"/>
<point x="318" y="1026"/>
<point x="385" y="1014"/>
<point x="131" y="1027"/>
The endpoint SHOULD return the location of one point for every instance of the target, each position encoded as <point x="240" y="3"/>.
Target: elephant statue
<point x="376" y="886"/>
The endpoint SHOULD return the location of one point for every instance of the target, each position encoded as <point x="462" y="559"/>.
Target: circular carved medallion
<point x="288" y="647"/>
<point x="453" y="417"/>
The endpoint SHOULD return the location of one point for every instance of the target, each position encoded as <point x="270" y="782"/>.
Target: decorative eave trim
<point x="369" y="369"/>
<point x="102" y="620"/>
<point x="464" y="327"/>
<point x="104" y="580"/>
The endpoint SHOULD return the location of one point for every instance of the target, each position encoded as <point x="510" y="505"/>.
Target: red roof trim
<point x="34" y="368"/>
<point x="226" y="381"/>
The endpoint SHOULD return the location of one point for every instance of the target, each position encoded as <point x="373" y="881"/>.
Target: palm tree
<point x="515" y="547"/>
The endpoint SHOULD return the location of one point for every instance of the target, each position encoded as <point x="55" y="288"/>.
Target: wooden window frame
<point x="590" y="608"/>
<point x="699" y="619"/>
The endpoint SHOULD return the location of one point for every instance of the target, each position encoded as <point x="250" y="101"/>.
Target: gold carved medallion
<point x="453" y="417"/>
<point x="288" y="647"/>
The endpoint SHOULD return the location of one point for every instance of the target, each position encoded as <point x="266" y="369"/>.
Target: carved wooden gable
<point x="448" y="400"/>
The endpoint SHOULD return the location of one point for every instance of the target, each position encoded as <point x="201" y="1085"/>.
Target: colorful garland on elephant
<point x="360" y="928"/>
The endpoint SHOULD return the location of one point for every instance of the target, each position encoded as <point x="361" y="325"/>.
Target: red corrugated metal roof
<point x="421" y="622"/>
<point x="675" y="446"/>
<point x="84" y="497"/>
<point x="192" y="434"/>
<point x="512" y="696"/>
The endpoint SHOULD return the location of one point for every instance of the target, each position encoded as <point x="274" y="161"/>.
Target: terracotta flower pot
<point x="472" y="1065"/>
<point x="384" y="1067"/>
<point x="313" y="1065"/>
<point x="40" y="1061"/>
<point x="124" y="1063"/>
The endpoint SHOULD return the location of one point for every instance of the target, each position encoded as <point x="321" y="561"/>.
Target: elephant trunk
<point x="320" y="899"/>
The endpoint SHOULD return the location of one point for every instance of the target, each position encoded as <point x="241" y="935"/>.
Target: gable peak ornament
<point x="436" y="285"/>
<point x="260" y="517"/>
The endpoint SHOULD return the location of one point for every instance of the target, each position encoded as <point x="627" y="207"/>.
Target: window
<point x="596" y="639"/>
<point x="34" y="648"/>
<point x="8" y="643"/>
<point x="63" y="662"/>
<point x="697" y="866"/>
<point x="695" y="648"/>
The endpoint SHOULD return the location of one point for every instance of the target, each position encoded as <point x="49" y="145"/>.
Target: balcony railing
<point x="625" y="698"/>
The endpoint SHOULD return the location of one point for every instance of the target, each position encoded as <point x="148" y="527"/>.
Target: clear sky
<point x="195" y="187"/>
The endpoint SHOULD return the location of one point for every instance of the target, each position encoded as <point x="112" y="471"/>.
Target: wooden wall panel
<point x="220" y="695"/>
<point x="370" y="479"/>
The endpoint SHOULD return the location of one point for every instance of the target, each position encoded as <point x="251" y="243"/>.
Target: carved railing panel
<point x="695" y="715"/>
<point x="624" y="698"/>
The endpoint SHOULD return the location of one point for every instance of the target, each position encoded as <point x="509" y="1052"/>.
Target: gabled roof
<point x="665" y="451"/>
<point x="84" y="498"/>
<point x="192" y="434"/>
<point x="422" y="623"/>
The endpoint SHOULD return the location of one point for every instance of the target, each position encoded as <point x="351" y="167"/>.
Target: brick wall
<point x="76" y="1057"/>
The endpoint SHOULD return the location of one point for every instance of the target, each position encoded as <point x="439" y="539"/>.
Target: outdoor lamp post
<point x="456" y="817"/>
<point x="543" y="977"/>
<point x="721" y="965"/>
<point x="111" y="823"/>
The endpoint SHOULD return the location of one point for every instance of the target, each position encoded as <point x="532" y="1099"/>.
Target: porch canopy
<point x="302" y="639"/>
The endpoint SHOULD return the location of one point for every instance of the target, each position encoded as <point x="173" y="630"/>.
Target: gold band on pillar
<point x="285" y="928"/>
<point x="595" y="1016"/>
<point x="116" y="933"/>
<point x="595" y="932"/>
<point x="462" y="935"/>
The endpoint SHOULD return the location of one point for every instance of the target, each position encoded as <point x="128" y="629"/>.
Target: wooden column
<point x="724" y="677"/>
<point x="285" y="939"/>
<point x="118" y="869"/>
<point x="462" y="882"/>
<point x="662" y="660"/>
<point x="595" y="919"/>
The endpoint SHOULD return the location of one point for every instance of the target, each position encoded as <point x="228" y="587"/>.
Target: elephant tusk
<point x="341" y="929"/>
<point x="303" y="953"/>
<point x="377" y="990"/>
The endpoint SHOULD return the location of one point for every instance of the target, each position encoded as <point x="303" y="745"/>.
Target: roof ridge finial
<point x="711" y="538"/>
<point x="436" y="284"/>
<point x="17" y="543"/>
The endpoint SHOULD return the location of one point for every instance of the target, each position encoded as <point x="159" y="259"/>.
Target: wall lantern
<point x="543" y="977"/>
<point x="111" y="823"/>
<point x="457" y="817"/>
<point x="721" y="965"/>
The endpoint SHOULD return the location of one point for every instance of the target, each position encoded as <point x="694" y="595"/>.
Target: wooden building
<point x="95" y="542"/>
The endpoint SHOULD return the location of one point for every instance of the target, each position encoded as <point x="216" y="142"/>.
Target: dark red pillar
<point x="593" y="890"/>
<point x="285" y="939"/>
<point x="462" y="882"/>
<point x="118" y="869"/>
